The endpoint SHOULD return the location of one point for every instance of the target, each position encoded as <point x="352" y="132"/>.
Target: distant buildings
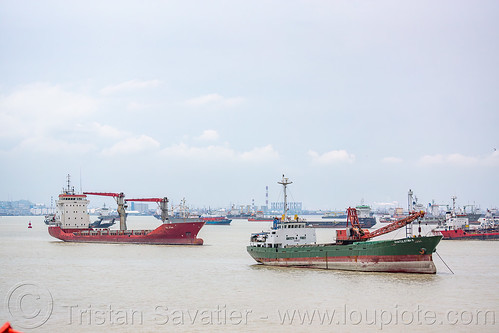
<point x="142" y="208"/>
<point x="26" y="208"/>
<point x="20" y="207"/>
<point x="293" y="207"/>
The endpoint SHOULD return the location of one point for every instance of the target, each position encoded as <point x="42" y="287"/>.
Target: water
<point x="47" y="285"/>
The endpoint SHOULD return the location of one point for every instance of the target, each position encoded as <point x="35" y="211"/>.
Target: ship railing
<point x="263" y="244"/>
<point x="107" y="232"/>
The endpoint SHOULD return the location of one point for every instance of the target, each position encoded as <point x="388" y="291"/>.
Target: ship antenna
<point x="284" y="182"/>
<point x="454" y="205"/>
<point x="81" y="190"/>
<point x="69" y="184"/>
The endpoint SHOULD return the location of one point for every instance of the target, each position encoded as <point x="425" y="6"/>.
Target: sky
<point x="212" y="101"/>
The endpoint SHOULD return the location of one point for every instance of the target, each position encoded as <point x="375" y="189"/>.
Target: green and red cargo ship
<point x="289" y="242"/>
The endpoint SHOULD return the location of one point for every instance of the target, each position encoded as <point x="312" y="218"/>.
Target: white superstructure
<point x="285" y="232"/>
<point x="72" y="209"/>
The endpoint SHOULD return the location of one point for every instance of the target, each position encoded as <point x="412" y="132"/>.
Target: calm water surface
<point x="47" y="285"/>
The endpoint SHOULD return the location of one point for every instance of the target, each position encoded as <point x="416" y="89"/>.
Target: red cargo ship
<point x="457" y="227"/>
<point x="73" y="223"/>
<point x="471" y="234"/>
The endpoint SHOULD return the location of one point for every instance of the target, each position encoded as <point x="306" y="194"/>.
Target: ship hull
<point x="410" y="255"/>
<point x="216" y="220"/>
<point x="342" y="216"/>
<point x="165" y="234"/>
<point x="220" y="222"/>
<point x="460" y="234"/>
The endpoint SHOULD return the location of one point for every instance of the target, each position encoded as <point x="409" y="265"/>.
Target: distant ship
<point x="290" y="243"/>
<point x="457" y="227"/>
<point x="105" y="219"/>
<point x="335" y="215"/>
<point x="471" y="234"/>
<point x="240" y="216"/>
<point x="338" y="219"/>
<point x="182" y="214"/>
<point x="73" y="223"/>
<point x="259" y="217"/>
<point x="216" y="220"/>
<point x="102" y="224"/>
<point x="364" y="223"/>
<point x="436" y="216"/>
<point x="366" y="216"/>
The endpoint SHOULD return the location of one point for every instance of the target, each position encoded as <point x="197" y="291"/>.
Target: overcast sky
<point x="214" y="100"/>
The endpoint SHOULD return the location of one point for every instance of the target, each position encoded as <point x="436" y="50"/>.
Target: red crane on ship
<point x="120" y="200"/>
<point x="162" y="203"/>
<point x="354" y="233"/>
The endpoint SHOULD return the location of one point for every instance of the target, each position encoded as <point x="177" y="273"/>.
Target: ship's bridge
<point x="283" y="234"/>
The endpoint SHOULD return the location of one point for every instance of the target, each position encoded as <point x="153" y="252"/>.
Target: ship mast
<point x="285" y="182"/>
<point x="120" y="200"/>
<point x="69" y="190"/>
<point x="453" y="205"/>
<point x="410" y="201"/>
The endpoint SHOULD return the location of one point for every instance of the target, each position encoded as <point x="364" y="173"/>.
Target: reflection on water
<point x="127" y="287"/>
